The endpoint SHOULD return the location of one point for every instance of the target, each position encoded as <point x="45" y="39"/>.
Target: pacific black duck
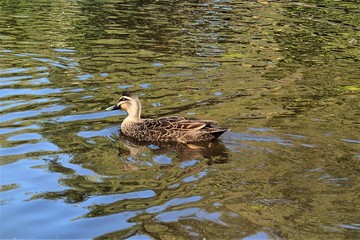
<point x="168" y="129"/>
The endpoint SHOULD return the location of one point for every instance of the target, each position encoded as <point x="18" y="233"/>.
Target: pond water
<point x="283" y="76"/>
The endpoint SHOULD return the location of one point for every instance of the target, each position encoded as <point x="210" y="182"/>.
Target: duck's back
<point x="172" y="129"/>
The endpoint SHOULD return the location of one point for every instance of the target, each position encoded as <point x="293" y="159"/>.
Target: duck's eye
<point x="122" y="99"/>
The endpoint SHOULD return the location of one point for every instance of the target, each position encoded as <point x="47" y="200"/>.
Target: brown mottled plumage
<point x="168" y="129"/>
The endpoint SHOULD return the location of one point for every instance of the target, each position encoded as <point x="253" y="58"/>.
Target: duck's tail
<point x="217" y="132"/>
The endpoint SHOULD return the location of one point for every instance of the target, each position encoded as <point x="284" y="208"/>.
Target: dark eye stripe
<point x="123" y="99"/>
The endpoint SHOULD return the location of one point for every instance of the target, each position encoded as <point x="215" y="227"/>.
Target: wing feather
<point x="177" y="124"/>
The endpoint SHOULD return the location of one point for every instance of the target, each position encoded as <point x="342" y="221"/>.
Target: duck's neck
<point x="134" y="113"/>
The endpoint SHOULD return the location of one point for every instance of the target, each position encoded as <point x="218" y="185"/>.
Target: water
<point x="283" y="76"/>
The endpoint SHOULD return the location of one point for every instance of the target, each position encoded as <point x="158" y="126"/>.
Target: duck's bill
<point x="115" y="107"/>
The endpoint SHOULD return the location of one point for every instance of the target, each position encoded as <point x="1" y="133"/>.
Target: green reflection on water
<point x="283" y="76"/>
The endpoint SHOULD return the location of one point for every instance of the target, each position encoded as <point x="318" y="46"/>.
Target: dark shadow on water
<point x="213" y="152"/>
<point x="134" y="161"/>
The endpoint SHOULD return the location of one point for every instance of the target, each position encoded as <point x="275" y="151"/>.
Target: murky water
<point x="283" y="76"/>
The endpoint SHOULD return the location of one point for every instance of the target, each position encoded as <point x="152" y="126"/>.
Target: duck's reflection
<point x="212" y="152"/>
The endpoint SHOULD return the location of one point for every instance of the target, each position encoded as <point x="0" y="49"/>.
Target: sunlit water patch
<point x="282" y="76"/>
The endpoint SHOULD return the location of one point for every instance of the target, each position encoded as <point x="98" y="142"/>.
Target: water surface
<point x="283" y="76"/>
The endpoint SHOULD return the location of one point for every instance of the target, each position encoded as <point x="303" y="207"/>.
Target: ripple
<point x="29" y="91"/>
<point x="16" y="129"/>
<point x="235" y="62"/>
<point x="87" y="116"/>
<point x="25" y="136"/>
<point x="30" y="113"/>
<point x="64" y="50"/>
<point x="29" y="148"/>
<point x="16" y="103"/>
<point x="197" y="213"/>
<point x="65" y="160"/>
<point x="52" y="62"/>
<point x="12" y="80"/>
<point x="172" y="203"/>
<point x="13" y="70"/>
<point x="104" y="132"/>
<point x="85" y="76"/>
<point x="108" y="199"/>
<point x="189" y="163"/>
<point x="355" y="226"/>
<point x="144" y="85"/>
<point x="258" y="138"/>
<point x="8" y="187"/>
<point x="195" y="177"/>
<point x="39" y="81"/>
<point x="162" y="159"/>
<point x="260" y="129"/>
<point x="157" y="64"/>
<point x="351" y="141"/>
<point x="126" y="86"/>
<point x="257" y="236"/>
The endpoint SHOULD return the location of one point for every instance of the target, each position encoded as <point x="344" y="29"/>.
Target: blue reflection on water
<point x="195" y="177"/>
<point x="16" y="129"/>
<point x="64" y="50"/>
<point x="162" y="159"/>
<point x="15" y="103"/>
<point x="103" y="132"/>
<point x="188" y="163"/>
<point x="172" y="203"/>
<point x="29" y="148"/>
<point x="86" y="116"/>
<point x="29" y="91"/>
<point x="197" y="213"/>
<point x="24" y="136"/>
<point x="31" y="113"/>
<point x="85" y="76"/>
<point x="258" y="236"/>
<point x="108" y="199"/>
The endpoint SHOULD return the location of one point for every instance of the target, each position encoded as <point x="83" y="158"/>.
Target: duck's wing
<point x="176" y="119"/>
<point x="178" y="124"/>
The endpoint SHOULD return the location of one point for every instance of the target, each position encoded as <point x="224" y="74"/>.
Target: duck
<point x="166" y="129"/>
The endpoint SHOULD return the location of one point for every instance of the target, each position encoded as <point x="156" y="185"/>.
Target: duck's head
<point x="128" y="102"/>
